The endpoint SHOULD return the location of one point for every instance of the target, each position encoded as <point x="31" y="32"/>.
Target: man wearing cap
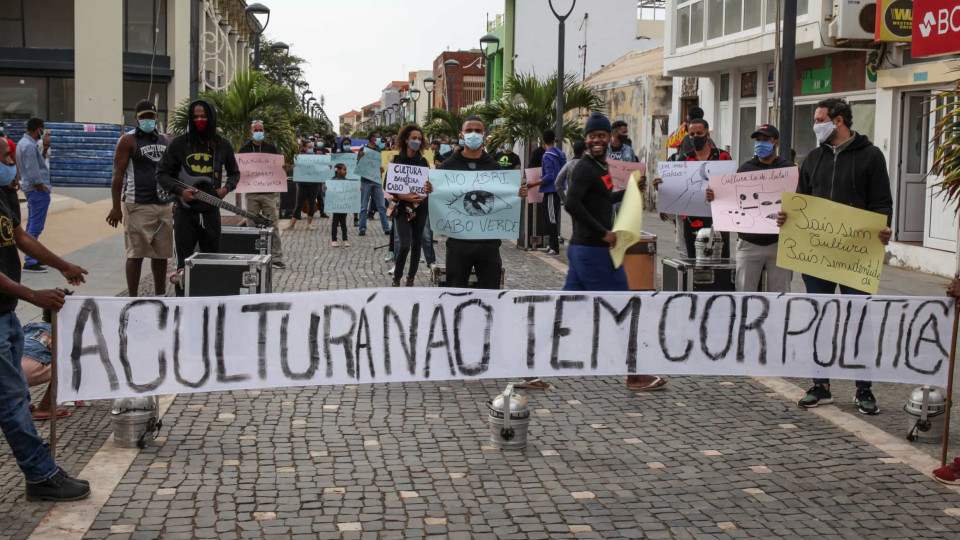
<point x="758" y="252"/>
<point x="590" y="200"/>
<point x="267" y="204"/>
<point x="147" y="220"/>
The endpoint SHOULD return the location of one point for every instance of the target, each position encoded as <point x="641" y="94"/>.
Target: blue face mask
<point x="380" y="144"/>
<point x="147" y="126"/>
<point x="763" y="149"/>
<point x="258" y="136"/>
<point x="473" y="140"/>
<point x="461" y="143"/>
<point x="7" y="174"/>
<point x="507" y="147"/>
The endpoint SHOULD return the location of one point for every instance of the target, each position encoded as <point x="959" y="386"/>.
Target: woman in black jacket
<point x="411" y="215"/>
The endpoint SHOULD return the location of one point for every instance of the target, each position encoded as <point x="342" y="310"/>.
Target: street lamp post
<point x="447" y="66"/>
<point x="404" y="101"/>
<point x="257" y="28"/>
<point x="294" y="73"/>
<point x="560" y="78"/>
<point x="428" y="84"/>
<point x="303" y="99"/>
<point x="486" y="40"/>
<point x="415" y="96"/>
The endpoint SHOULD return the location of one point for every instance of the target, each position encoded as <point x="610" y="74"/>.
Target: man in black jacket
<point x="267" y="204"/>
<point x="758" y="252"/>
<point x="198" y="152"/>
<point x="846" y="168"/>
<point x="463" y="256"/>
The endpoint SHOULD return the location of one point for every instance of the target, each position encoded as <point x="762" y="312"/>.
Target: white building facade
<point x="721" y="54"/>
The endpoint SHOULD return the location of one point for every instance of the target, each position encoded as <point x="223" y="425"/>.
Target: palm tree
<point x="442" y="122"/>
<point x="947" y="140"/>
<point x="528" y="107"/>
<point x="251" y="97"/>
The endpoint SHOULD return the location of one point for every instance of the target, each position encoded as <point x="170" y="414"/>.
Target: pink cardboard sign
<point x="533" y="193"/>
<point x="620" y="172"/>
<point x="749" y="202"/>
<point x="261" y="173"/>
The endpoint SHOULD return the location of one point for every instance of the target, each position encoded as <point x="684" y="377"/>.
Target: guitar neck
<point x="205" y="197"/>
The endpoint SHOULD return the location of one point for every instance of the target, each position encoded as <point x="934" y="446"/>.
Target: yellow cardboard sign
<point x="629" y="220"/>
<point x="831" y="241"/>
<point x="387" y="156"/>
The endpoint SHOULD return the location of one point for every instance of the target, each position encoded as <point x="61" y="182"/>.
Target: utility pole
<point x="583" y="50"/>
<point x="560" y="73"/>
<point x="786" y="73"/>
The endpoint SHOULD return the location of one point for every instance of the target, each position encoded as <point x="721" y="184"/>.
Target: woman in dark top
<point x="411" y="216"/>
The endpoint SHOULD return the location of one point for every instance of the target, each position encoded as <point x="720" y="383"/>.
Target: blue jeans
<point x="37" y="204"/>
<point x="429" y="254"/>
<point x="815" y="285"/>
<point x="591" y="269"/>
<point x="375" y="190"/>
<point x="33" y="456"/>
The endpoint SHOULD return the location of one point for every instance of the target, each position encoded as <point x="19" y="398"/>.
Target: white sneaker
<point x="334" y="244"/>
<point x="392" y="269"/>
<point x="552" y="252"/>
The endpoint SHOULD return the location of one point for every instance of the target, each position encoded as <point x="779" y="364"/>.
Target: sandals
<point x="61" y="413"/>
<point x="533" y="382"/>
<point x="633" y="382"/>
<point x="950" y="474"/>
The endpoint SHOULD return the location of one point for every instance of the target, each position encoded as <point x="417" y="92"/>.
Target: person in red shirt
<point x="13" y="145"/>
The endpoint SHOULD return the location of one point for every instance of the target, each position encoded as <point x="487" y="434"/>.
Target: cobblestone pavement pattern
<point x="706" y="458"/>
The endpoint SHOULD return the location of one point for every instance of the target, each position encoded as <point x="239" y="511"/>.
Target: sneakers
<point x="35" y="268"/>
<point x="389" y="257"/>
<point x="310" y="227"/>
<point x="279" y="265"/>
<point x="334" y="244"/>
<point x="346" y="244"/>
<point x="59" y="487"/>
<point x="552" y="252"/>
<point x="866" y="403"/>
<point x="392" y="270"/>
<point x="387" y="232"/>
<point x="363" y="233"/>
<point x="818" y="395"/>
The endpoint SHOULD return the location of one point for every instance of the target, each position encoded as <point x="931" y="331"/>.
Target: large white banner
<point x="116" y="347"/>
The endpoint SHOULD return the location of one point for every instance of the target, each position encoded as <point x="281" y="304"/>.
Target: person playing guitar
<point x="193" y="164"/>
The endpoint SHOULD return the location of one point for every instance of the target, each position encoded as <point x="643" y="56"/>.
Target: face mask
<point x="147" y="126"/>
<point x="699" y="142"/>
<point x="414" y="144"/>
<point x="258" y="136"/>
<point x="309" y="150"/>
<point x="823" y="131"/>
<point x="7" y="174"/>
<point x="200" y="124"/>
<point x="763" y="149"/>
<point x="473" y="140"/>
<point x="381" y="145"/>
<point x="507" y="147"/>
<point x="461" y="143"/>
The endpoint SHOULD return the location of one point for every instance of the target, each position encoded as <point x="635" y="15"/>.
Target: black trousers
<point x="306" y="193"/>
<point x="320" y="200"/>
<point x="194" y="232"/>
<point x="341" y="221"/>
<point x="549" y="220"/>
<point x="409" y="236"/>
<point x="463" y="256"/>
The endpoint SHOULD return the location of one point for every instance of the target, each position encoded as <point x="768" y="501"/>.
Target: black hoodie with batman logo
<point x="199" y="154"/>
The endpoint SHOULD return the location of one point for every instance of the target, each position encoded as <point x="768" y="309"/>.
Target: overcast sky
<point x="354" y="48"/>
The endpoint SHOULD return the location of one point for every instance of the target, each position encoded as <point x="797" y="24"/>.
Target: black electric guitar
<point x="207" y="194"/>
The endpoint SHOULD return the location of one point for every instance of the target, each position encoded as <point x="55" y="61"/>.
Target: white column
<point x="178" y="47"/>
<point x="98" y="61"/>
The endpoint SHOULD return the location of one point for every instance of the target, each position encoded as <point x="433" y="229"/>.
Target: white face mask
<point x="823" y="131"/>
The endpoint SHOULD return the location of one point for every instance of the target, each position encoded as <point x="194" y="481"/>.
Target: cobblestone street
<point x="705" y="458"/>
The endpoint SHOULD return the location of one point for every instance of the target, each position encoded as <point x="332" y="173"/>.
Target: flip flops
<point x="61" y="413"/>
<point x="532" y="383"/>
<point x="656" y="384"/>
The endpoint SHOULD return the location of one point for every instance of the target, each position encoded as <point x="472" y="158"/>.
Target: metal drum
<point x="925" y="408"/>
<point x="509" y="431"/>
<point x="135" y="422"/>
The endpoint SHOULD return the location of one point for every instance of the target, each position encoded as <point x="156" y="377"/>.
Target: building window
<point x="690" y="23"/>
<point x="36" y="24"/>
<point x="143" y="22"/>
<point x="472" y="90"/>
<point x="748" y="123"/>
<point x="50" y="98"/>
<point x="724" y="87"/>
<point x="748" y="84"/>
<point x="134" y="91"/>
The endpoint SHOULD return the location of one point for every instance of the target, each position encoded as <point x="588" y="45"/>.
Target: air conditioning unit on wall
<point x="854" y="20"/>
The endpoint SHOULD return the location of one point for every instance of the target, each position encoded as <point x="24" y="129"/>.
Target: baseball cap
<point x="767" y="129"/>
<point x="145" y="106"/>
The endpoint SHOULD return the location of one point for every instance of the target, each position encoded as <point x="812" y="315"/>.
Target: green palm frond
<point x="529" y="106"/>
<point x="946" y="138"/>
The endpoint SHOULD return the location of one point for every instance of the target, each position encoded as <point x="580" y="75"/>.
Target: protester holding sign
<point x="307" y="193"/>
<point x="373" y="189"/>
<point x="699" y="133"/>
<point x="45" y="480"/>
<point x="339" y="218"/>
<point x="757" y="253"/>
<point x="267" y="204"/>
<point x="846" y="168"/>
<point x="411" y="215"/>
<point x="590" y="201"/>
<point x="463" y="256"/>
